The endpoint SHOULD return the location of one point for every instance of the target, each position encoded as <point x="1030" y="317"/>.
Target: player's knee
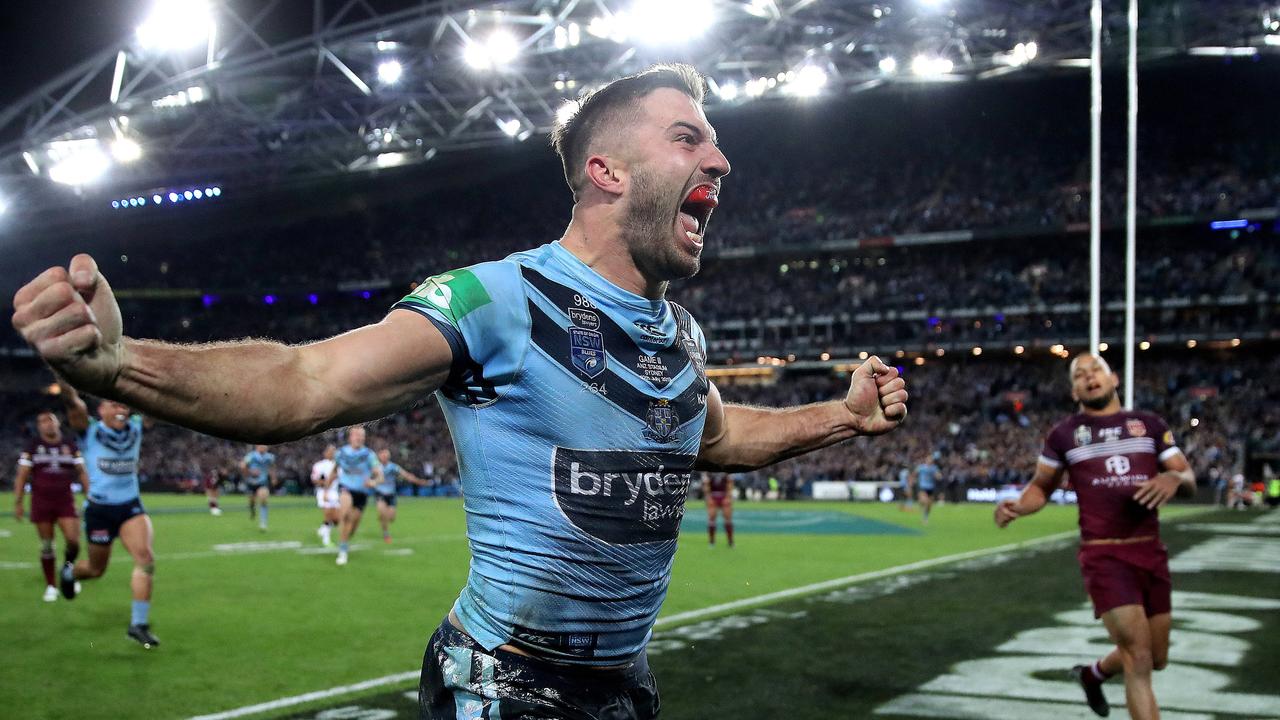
<point x="146" y="568"/>
<point x="93" y="571"/>
<point x="1140" y="660"/>
<point x="1159" y="660"/>
<point x="46" y="546"/>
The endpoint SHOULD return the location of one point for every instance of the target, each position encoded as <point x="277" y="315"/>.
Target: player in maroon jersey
<point x="717" y="488"/>
<point x="1123" y="465"/>
<point x="51" y="462"/>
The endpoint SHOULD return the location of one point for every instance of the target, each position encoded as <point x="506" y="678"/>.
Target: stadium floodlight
<point x="1144" y="345"/>
<point x="176" y="25"/>
<point x="667" y="22"/>
<point x="174" y="197"/>
<point x="755" y="88"/>
<point x="497" y="51"/>
<point x="391" y="159"/>
<point x="217" y="191"/>
<point x="927" y="66"/>
<point x="509" y="127"/>
<point x="186" y="194"/>
<point x="157" y="199"/>
<point x="389" y="72"/>
<point x="729" y="92"/>
<point x="125" y="150"/>
<point x="1103" y="347"/>
<point x="762" y="9"/>
<point x="78" y="162"/>
<point x="933" y="4"/>
<point x="888" y="65"/>
<point x="1018" y="350"/>
<point x="197" y="193"/>
<point x="385" y="45"/>
<point x="808" y="82"/>
<point x="31" y="162"/>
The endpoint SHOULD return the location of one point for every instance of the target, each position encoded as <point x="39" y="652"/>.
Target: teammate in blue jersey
<point x="358" y="474"/>
<point x="576" y="393"/>
<point x="111" y="446"/>
<point x="258" y="468"/>
<point x="926" y="477"/>
<point x="386" y="490"/>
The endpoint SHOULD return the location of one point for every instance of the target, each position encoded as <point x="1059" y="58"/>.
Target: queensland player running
<point x="51" y="463"/>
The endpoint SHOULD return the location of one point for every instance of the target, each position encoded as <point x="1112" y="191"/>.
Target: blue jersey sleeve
<point x="482" y="313"/>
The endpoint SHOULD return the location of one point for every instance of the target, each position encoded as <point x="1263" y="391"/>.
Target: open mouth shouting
<point x="695" y="212"/>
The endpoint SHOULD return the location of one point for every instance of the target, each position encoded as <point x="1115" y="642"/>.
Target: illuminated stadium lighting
<point x="389" y="72"/>
<point x="1191" y="344"/>
<point x="115" y="203"/>
<point x="157" y="199"/>
<point x="566" y="111"/>
<point x="1103" y="347"/>
<point x="939" y="352"/>
<point x="217" y="191"/>
<point x="1057" y="349"/>
<point x="31" y="162"/>
<point x="808" y="82"/>
<point x="729" y="92"/>
<point x="509" y="127"/>
<point x="174" y="197"/>
<point x="182" y="98"/>
<point x="1018" y="350"/>
<point x="176" y="25"/>
<point x="496" y="52"/>
<point x="313" y="299"/>
<point x="888" y="65"/>
<point x="197" y="193"/>
<point x="187" y="194"/>
<point x="756" y="88"/>
<point x="1235" y="342"/>
<point x="862" y="355"/>
<point x="824" y="356"/>
<point x="1272" y="40"/>
<point x="1223" y="51"/>
<point x="78" y="162"/>
<point x="269" y="299"/>
<point x="1228" y="224"/>
<point x="568" y="35"/>
<point x="926" y="66"/>
<point x="125" y="150"/>
<point x="1195" y="422"/>
<point x="385" y="45"/>
<point x="1144" y="345"/>
<point x="1020" y="55"/>
<point x="933" y="4"/>
<point x="977" y="351"/>
<point x="919" y="361"/>
<point x="392" y="159"/>
<point x="667" y="22"/>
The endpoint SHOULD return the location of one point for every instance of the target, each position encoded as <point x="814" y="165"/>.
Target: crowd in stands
<point x="982" y="421"/>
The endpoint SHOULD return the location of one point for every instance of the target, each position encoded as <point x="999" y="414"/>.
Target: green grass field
<point x="248" y="618"/>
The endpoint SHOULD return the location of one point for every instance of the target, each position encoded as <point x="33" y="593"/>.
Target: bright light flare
<point x="566" y="112"/>
<point x="669" y="22"/>
<point x="389" y="72"/>
<point x="926" y="66"/>
<point x="888" y="65"/>
<point x="176" y="25"/>
<point x="497" y="51"/>
<point x="77" y="162"/>
<point x="808" y="82"/>
<point x="125" y="150"/>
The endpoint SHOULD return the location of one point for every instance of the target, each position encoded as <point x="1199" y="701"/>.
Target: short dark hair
<point x="572" y="138"/>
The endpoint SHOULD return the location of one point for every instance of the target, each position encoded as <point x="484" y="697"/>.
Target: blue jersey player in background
<point x="111" y="445"/>
<point x="358" y="474"/>
<point x="575" y="391"/>
<point x="259" y="471"/>
<point x="927" y="477"/>
<point x="386" y="490"/>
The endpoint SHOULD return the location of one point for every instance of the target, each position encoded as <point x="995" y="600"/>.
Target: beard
<point x="647" y="228"/>
<point x="1100" y="402"/>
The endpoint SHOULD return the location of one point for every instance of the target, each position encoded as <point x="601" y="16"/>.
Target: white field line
<point x="669" y="620"/>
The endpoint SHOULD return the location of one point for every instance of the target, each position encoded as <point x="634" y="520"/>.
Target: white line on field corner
<point x="669" y="620"/>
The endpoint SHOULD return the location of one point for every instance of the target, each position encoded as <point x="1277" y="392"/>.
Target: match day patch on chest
<point x="454" y="293"/>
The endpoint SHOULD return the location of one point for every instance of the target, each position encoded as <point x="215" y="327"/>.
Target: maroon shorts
<point x="48" y="508"/>
<point x="719" y="500"/>
<point x="1136" y="574"/>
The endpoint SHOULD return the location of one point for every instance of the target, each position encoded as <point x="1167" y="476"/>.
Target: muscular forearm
<point x="1032" y="499"/>
<point x="1186" y="480"/>
<point x="258" y="392"/>
<point x="756" y="437"/>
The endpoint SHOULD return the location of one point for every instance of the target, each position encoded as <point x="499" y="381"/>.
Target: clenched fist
<point x="70" y="316"/>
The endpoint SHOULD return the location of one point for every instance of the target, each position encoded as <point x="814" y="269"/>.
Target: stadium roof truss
<point x="270" y="98"/>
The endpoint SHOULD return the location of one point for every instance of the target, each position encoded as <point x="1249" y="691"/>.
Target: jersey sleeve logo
<point x="455" y="293"/>
<point x="1135" y="427"/>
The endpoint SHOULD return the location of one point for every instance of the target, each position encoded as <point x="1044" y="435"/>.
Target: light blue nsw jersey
<point x="390" y="476"/>
<point x="927" y="475"/>
<point x="111" y="459"/>
<point x="355" y="466"/>
<point x="259" y="465"/>
<point x="576" y="410"/>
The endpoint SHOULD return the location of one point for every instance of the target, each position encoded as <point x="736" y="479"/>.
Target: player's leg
<point x="925" y="498"/>
<point x="136" y="535"/>
<point x="350" y="518"/>
<point x="712" y="507"/>
<point x="726" y="508"/>
<point x="1160" y="625"/>
<point x="1129" y="628"/>
<point x="70" y="527"/>
<point x="386" y="516"/>
<point x="44" y="530"/>
<point x="263" y="494"/>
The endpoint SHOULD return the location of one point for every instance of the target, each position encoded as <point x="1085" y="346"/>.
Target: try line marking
<point x="663" y="621"/>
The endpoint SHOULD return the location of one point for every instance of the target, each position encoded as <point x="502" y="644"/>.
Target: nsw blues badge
<point x="586" y="350"/>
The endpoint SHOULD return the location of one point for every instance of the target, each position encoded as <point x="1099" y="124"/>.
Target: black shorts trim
<point x="388" y="498"/>
<point x="102" y="521"/>
<point x="358" y="499"/>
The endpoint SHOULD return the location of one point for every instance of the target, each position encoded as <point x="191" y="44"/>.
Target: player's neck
<point x="51" y="438"/>
<point x="600" y="246"/>
<point x="1110" y="408"/>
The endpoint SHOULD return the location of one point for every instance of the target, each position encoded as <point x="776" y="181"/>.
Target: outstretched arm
<point x="77" y="411"/>
<point x="252" y="391"/>
<point x="1034" y="495"/>
<point x="738" y="437"/>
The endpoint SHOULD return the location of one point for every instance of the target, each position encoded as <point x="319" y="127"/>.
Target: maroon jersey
<point x="1107" y="456"/>
<point x="719" y="484"/>
<point x="53" y="466"/>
